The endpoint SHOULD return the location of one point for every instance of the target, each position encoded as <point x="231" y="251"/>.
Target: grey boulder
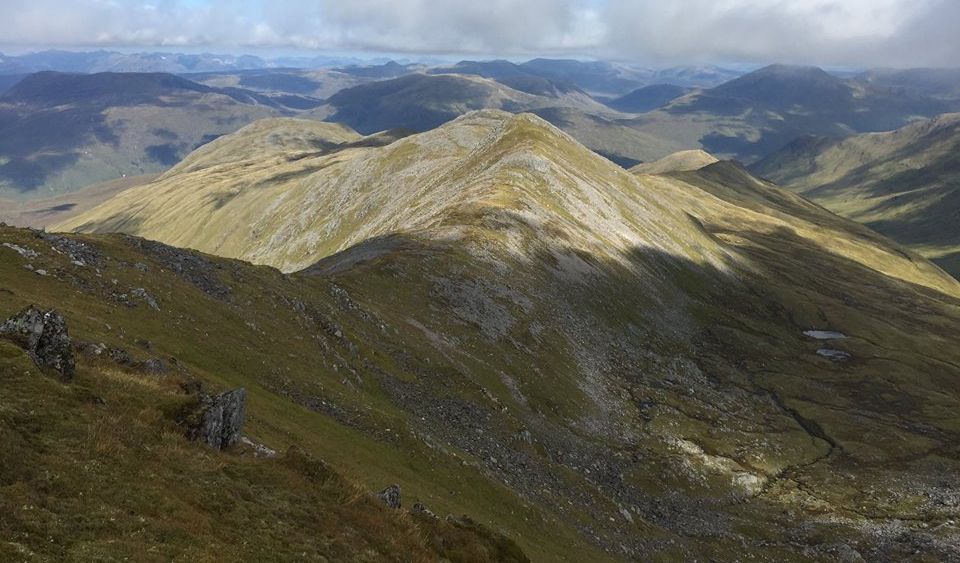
<point x="390" y="496"/>
<point x="44" y="336"/>
<point x="221" y="419"/>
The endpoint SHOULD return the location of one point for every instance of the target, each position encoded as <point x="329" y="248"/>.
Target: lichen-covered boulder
<point x="44" y="336"/>
<point x="390" y="496"/>
<point x="221" y="419"/>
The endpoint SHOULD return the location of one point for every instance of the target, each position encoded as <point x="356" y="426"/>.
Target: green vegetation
<point x="98" y="470"/>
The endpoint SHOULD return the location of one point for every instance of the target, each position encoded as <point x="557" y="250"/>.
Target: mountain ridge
<point x="623" y="356"/>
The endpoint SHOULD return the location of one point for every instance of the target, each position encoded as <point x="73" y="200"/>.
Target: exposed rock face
<point x="44" y="335"/>
<point x="390" y="496"/>
<point x="221" y="419"/>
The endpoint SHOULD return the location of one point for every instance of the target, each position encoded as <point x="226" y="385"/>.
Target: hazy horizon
<point x="830" y="33"/>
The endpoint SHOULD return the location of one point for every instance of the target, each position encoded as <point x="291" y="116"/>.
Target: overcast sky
<point x="826" y="32"/>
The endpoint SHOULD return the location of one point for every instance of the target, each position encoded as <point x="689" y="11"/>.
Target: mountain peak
<point x="783" y="76"/>
<point x="780" y="69"/>
<point x="482" y="171"/>
<point x="783" y="86"/>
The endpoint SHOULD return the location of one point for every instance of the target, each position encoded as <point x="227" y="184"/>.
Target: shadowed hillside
<point x="754" y="115"/>
<point x="905" y="184"/>
<point x="648" y="98"/>
<point x="61" y="132"/>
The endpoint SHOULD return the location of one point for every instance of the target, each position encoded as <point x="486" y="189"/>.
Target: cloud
<point x="853" y="32"/>
<point x="820" y="31"/>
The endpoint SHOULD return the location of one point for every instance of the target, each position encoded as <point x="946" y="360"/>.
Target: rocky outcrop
<point x="121" y="357"/>
<point x="44" y="336"/>
<point x="80" y="253"/>
<point x="142" y="294"/>
<point x="421" y="509"/>
<point x="221" y="419"/>
<point x="259" y="450"/>
<point x="390" y="496"/>
<point x="154" y="366"/>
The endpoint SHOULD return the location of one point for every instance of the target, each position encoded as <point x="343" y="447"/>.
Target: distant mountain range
<point x="597" y="77"/>
<point x="751" y="116"/>
<point x="110" y="61"/>
<point x="628" y="114"/>
<point x="420" y="102"/>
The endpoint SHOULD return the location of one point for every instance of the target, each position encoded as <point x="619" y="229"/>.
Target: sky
<point x="825" y="32"/>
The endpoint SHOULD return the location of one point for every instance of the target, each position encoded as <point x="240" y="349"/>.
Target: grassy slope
<point x="676" y="162"/>
<point x="904" y="183"/>
<point x="226" y="344"/>
<point x="98" y="470"/>
<point x="39" y="213"/>
<point x="618" y="359"/>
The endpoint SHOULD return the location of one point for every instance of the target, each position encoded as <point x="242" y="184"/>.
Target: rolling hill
<point x="307" y="85"/>
<point x="648" y="98"/>
<point x="942" y="83"/>
<point x="596" y="77"/>
<point x="605" y="79"/>
<point x="619" y="365"/>
<point x="904" y="184"/>
<point x="61" y="132"/>
<point x="515" y="76"/>
<point x="682" y="161"/>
